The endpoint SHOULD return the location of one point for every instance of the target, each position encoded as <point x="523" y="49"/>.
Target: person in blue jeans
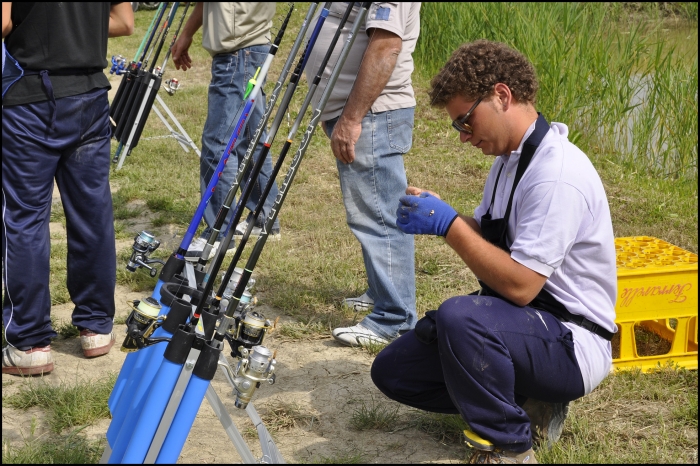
<point x="369" y="120"/>
<point x="55" y="129"/>
<point x="237" y="36"/>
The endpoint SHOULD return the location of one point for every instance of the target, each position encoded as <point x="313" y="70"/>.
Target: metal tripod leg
<point x="171" y="408"/>
<point x="229" y="426"/>
<point x="271" y="455"/>
<point x="173" y="133"/>
<point x="182" y="136"/>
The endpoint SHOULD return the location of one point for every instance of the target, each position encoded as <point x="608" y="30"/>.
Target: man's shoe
<point x="357" y="335"/>
<point x="35" y="361"/>
<point x="96" y="344"/>
<point x="194" y="252"/>
<point x="498" y="456"/>
<point x="256" y="231"/>
<point x="546" y="421"/>
<point x="360" y="304"/>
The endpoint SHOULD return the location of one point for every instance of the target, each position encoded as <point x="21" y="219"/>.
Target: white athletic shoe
<point x="241" y="228"/>
<point x="194" y="252"/>
<point x="357" y="335"/>
<point x="35" y="361"/>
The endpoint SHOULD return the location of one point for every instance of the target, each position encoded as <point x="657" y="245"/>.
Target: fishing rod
<point x="207" y="284"/>
<point x="125" y="105"/>
<point x="243" y="166"/>
<point x="144" y="71"/>
<point x="126" y="404"/>
<point x="257" y="364"/>
<point x="145" y="243"/>
<point x="132" y="71"/>
<point x="144" y="98"/>
<point x="152" y="92"/>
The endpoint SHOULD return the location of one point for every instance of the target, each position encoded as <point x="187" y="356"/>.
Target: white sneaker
<point x="360" y="304"/>
<point x="96" y="344"/>
<point x="255" y="232"/>
<point x="194" y="252"/>
<point x="357" y="335"/>
<point x="35" y="361"/>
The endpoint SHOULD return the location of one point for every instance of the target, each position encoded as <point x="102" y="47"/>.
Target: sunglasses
<point x="461" y="123"/>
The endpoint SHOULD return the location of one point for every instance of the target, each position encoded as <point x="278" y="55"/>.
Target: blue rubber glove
<point x="424" y="215"/>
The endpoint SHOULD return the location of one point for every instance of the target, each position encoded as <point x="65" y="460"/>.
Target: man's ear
<point x="504" y="98"/>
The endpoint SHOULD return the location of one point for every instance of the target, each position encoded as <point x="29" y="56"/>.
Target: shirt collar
<point x="529" y="131"/>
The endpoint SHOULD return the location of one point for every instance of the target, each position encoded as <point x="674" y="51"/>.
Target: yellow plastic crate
<point x="657" y="289"/>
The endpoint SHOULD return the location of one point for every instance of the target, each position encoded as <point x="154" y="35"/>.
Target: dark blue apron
<point x="495" y="232"/>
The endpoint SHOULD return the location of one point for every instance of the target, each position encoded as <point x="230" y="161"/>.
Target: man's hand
<point x="180" y="48"/>
<point x="180" y="54"/>
<point x="424" y="215"/>
<point x="378" y="63"/>
<point x="345" y="135"/>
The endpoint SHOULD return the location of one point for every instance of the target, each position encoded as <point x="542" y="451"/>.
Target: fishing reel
<point x="248" y="330"/>
<point x="141" y="323"/>
<point x="257" y="365"/>
<point x="144" y="244"/>
<point x="171" y="86"/>
<point x="118" y="65"/>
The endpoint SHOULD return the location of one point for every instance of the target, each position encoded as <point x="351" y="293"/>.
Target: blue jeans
<point x="372" y="185"/>
<point x="76" y="154"/>
<point x="489" y="357"/>
<point x="230" y="73"/>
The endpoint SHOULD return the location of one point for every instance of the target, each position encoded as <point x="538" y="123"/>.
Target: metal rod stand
<point x="181" y="135"/>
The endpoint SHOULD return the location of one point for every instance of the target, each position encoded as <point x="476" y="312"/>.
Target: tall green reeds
<point x="625" y="95"/>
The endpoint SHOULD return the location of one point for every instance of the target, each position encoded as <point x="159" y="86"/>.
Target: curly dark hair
<point x="475" y="67"/>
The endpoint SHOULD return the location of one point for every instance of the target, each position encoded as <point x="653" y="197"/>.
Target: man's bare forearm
<point x="121" y="20"/>
<point x="195" y="21"/>
<point x="378" y="63"/>
<point x="6" y="18"/>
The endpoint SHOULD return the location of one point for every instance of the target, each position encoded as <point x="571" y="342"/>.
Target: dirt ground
<point x="319" y="382"/>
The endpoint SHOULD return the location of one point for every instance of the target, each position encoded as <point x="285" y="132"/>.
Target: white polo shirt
<point x="560" y="227"/>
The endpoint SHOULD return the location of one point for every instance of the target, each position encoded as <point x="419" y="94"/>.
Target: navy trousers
<point x="488" y="359"/>
<point x="76" y="153"/>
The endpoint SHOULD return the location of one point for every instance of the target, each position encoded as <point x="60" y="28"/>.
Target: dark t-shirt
<point x="69" y="39"/>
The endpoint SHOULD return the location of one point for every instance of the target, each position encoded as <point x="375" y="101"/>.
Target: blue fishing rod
<point x="257" y="364"/>
<point x="146" y="244"/>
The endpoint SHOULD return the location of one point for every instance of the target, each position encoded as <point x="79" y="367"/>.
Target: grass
<point x="375" y="416"/>
<point x="67" y="404"/>
<point x="71" y="448"/>
<point x="622" y="90"/>
<point x="279" y="416"/>
<point x="592" y="60"/>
